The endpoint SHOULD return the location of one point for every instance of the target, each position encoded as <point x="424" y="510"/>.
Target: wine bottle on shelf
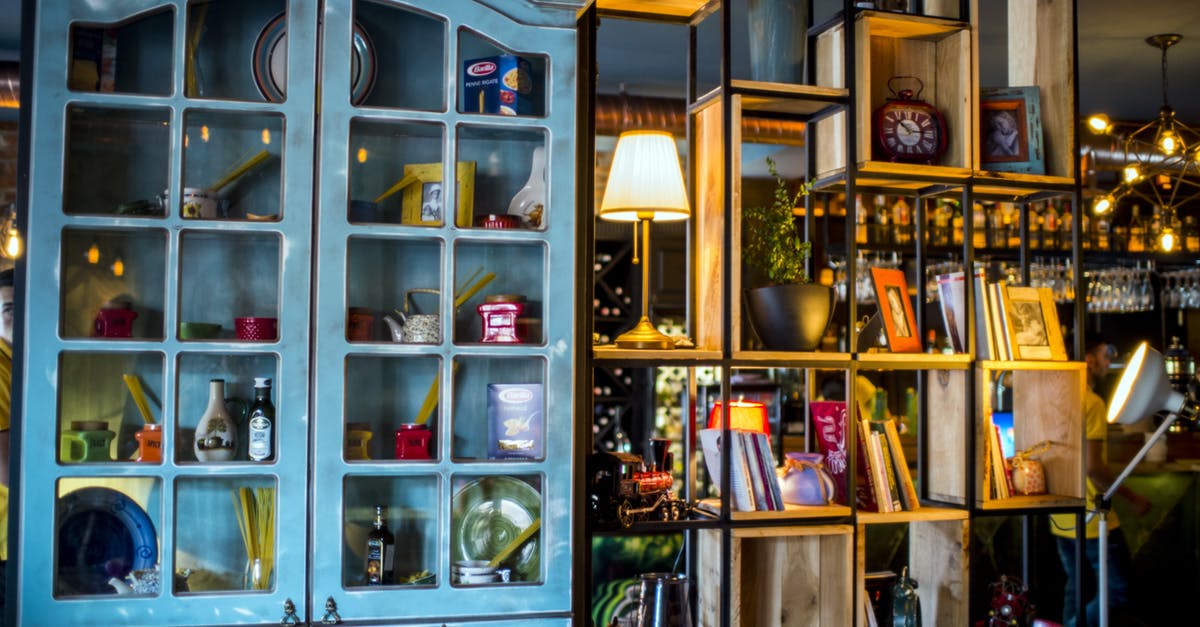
<point x="262" y="422"/>
<point x="1137" y="232"/>
<point x="381" y="551"/>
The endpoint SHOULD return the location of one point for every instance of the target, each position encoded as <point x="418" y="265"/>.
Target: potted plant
<point x="791" y="312"/>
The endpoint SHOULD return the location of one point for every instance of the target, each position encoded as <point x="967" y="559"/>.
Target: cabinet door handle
<point x="331" y="614"/>
<point x="289" y="614"/>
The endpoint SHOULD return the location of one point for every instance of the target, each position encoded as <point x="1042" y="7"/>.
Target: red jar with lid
<point x="412" y="441"/>
<point x="500" y="313"/>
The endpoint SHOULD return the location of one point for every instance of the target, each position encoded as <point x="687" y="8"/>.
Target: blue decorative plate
<point x="102" y="534"/>
<point x="270" y="62"/>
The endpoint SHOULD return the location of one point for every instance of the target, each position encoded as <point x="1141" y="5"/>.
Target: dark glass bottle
<point x="262" y="422"/>
<point x="381" y="551"/>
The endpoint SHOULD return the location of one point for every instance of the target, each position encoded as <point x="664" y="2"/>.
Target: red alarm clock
<point x="908" y="128"/>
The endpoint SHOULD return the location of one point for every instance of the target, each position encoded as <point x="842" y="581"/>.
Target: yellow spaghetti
<point x="255" y="508"/>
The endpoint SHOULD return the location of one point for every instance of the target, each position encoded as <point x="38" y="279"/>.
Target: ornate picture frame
<point x="424" y="198"/>
<point x="1010" y="130"/>
<point x="896" y="310"/>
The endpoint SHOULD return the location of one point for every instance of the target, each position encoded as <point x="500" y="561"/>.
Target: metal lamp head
<point x="1143" y="389"/>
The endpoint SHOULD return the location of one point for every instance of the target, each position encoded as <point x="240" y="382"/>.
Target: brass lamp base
<point x="644" y="336"/>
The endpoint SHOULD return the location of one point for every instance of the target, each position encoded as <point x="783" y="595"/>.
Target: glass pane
<point x="201" y="439"/>
<point x="117" y="160"/>
<point x="246" y="308"/>
<point x="392" y="408"/>
<point x="499" y="81"/>
<point x="225" y="531"/>
<point x="98" y="418"/>
<point x="496" y="519"/>
<point x="384" y="38"/>
<point x="106" y="536"/>
<point x="237" y="50"/>
<point x="232" y="166"/>
<point x="409" y="517"/>
<point x="513" y="186"/>
<point x="396" y="279"/>
<point x="394" y="170"/>
<point x="123" y="58"/>
<point x="499" y="409"/>
<point x="500" y="286"/>
<point x="113" y="283"/>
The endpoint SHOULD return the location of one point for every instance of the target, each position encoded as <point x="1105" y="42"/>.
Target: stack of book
<point x="884" y="481"/>
<point x="1011" y="322"/>
<point x="997" y="470"/>
<point x="753" y="482"/>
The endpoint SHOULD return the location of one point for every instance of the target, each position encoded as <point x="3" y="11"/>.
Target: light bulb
<point x="1099" y="124"/>
<point x="362" y="155"/>
<point x="1131" y="173"/>
<point x="1102" y="204"/>
<point x="13" y="245"/>
<point x="266" y="136"/>
<point x="1167" y="142"/>
<point x="93" y="254"/>
<point x="1167" y="240"/>
<point x="118" y="267"/>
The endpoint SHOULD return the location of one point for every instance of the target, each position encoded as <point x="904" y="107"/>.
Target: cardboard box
<point x="502" y="84"/>
<point x="516" y="421"/>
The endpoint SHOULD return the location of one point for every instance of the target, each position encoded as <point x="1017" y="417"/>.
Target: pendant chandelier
<point x="1161" y="157"/>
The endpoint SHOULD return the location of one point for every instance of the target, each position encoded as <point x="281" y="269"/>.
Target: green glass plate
<point x="488" y="513"/>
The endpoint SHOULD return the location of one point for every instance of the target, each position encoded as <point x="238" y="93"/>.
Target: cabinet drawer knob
<point x="289" y="614"/>
<point x="331" y="614"/>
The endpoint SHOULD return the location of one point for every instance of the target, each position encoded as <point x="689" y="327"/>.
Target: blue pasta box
<point x="502" y="84"/>
<point x="516" y="421"/>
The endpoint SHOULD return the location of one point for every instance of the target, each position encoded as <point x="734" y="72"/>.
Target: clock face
<point x="909" y="133"/>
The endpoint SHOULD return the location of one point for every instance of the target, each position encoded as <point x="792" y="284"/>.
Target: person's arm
<point x="1103" y="477"/>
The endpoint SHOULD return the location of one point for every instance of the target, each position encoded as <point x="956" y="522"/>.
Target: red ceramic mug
<point x="114" y="322"/>
<point x="256" y="328"/>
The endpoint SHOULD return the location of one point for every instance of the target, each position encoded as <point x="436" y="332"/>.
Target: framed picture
<point x="1032" y="321"/>
<point x="1010" y="129"/>
<point x="896" y="310"/>
<point x="425" y="198"/>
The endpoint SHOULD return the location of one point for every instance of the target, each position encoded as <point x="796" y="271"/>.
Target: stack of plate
<point x="476" y="571"/>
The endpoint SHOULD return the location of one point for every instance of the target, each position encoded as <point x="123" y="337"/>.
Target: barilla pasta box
<point x="501" y="84"/>
<point x="516" y="421"/>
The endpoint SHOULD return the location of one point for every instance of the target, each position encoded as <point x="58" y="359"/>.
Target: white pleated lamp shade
<point x="646" y="181"/>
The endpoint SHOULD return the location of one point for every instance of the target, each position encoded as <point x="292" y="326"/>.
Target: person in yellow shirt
<point x="1098" y="354"/>
<point x="6" y="338"/>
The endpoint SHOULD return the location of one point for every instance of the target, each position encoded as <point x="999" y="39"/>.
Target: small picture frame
<point x="896" y="310"/>
<point x="1032" y="322"/>
<point x="424" y="199"/>
<point x="1010" y="130"/>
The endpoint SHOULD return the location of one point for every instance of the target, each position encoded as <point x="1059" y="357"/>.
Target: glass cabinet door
<point x="168" y="270"/>
<point x="444" y="347"/>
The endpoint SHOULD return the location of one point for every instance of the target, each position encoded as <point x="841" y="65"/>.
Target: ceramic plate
<point x="488" y="514"/>
<point x="102" y="533"/>
<point x="270" y="62"/>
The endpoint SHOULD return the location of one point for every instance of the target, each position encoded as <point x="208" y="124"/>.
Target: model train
<point x="622" y="490"/>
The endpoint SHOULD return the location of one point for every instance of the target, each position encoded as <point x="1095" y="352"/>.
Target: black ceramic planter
<point x="790" y="317"/>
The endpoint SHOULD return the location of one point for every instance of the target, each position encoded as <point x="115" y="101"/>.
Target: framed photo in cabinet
<point x="896" y="310"/>
<point x="425" y="197"/>
<point x="1032" y="322"/>
<point x="1010" y="127"/>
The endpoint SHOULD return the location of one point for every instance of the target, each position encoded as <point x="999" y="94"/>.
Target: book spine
<point x="739" y="478"/>
<point x="864" y="481"/>
<point x="774" y="490"/>
<point x="888" y="471"/>
<point x="753" y="469"/>
<point x="984" y="342"/>
<point x="908" y="490"/>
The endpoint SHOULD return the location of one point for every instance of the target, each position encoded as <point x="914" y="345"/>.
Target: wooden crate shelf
<point x="938" y="558"/>
<point x="801" y="572"/>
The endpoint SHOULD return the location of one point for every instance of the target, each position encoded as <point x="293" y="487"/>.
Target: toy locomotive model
<point x="622" y="489"/>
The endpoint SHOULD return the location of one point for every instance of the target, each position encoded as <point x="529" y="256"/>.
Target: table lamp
<point x="645" y="184"/>
<point x="743" y="416"/>
<point x="1144" y="389"/>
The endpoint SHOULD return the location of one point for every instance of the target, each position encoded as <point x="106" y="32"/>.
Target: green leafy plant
<point x="771" y="241"/>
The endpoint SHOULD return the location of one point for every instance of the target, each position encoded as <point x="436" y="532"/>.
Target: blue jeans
<point x="1119" y="566"/>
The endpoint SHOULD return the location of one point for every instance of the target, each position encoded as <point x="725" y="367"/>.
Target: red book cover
<point x="829" y="424"/>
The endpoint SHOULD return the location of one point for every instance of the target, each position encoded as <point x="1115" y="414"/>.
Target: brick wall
<point x="8" y="163"/>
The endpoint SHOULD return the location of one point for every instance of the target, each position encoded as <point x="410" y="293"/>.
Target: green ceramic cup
<point x="198" y="330"/>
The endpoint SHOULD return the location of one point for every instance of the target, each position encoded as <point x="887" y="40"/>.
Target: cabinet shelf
<point x="925" y="513"/>
<point x="913" y="361"/>
<point x="1031" y="502"/>
<point x="792" y="359"/>
<point x="609" y="354"/>
<point x="800" y="101"/>
<point x="790" y="512"/>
